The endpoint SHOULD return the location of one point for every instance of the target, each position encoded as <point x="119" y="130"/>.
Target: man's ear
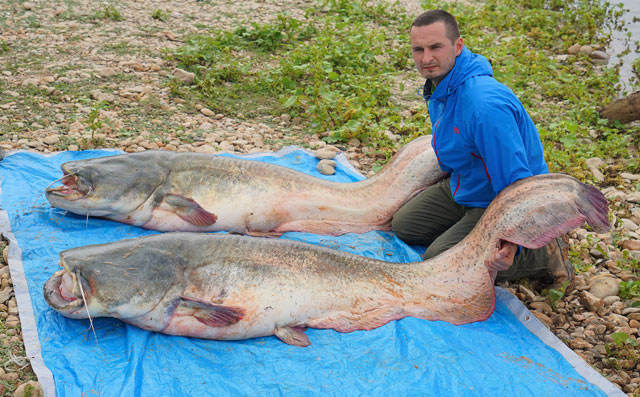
<point x="458" y="45"/>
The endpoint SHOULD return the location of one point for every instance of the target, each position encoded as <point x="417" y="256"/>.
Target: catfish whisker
<point x="49" y="185"/>
<point x="84" y="300"/>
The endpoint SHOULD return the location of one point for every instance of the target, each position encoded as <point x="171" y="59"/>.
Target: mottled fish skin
<point x="236" y="287"/>
<point x="170" y="191"/>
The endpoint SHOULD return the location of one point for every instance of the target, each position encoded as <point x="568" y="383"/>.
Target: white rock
<point x="327" y="154"/>
<point x="574" y="49"/>
<point x="634" y="197"/>
<point x="206" y="126"/>
<point x="184" y="76"/>
<point x="207" y="112"/>
<point x="76" y="126"/>
<point x="51" y="139"/>
<point x="631" y="177"/>
<point x="628" y="224"/>
<point x="605" y="286"/>
<point x="73" y="148"/>
<point x="327" y="167"/>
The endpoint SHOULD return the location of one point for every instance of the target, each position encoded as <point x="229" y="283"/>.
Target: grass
<point x="334" y="69"/>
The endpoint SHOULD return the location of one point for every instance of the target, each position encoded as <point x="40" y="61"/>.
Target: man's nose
<point x="426" y="57"/>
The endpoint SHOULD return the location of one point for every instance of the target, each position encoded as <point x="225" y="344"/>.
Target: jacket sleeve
<point x="501" y="146"/>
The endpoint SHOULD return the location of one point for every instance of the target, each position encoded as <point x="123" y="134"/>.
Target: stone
<point x="184" y="76"/>
<point x="207" y="112"/>
<point x="631" y="177"/>
<point x="31" y="388"/>
<point x="542" y="306"/>
<point x="27" y="5"/>
<point x="603" y="287"/>
<point x="543" y="318"/>
<point x="579" y="343"/>
<point x="76" y="126"/>
<point x="226" y="146"/>
<point x="355" y="142"/>
<point x="609" y="300"/>
<point x="11" y="376"/>
<point x="51" y="139"/>
<point x="5" y="294"/>
<point x="634" y="197"/>
<point x="592" y="302"/>
<point x="73" y="148"/>
<point x="325" y="154"/>
<point x="107" y="72"/>
<point x="326" y="167"/>
<point x="586" y="49"/>
<point x="206" y="126"/>
<point x="628" y="224"/>
<point x="574" y="49"/>
<point x="599" y="55"/>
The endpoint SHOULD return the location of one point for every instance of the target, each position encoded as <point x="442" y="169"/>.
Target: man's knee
<point x="403" y="229"/>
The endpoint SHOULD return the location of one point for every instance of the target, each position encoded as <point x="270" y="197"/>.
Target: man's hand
<point x="502" y="258"/>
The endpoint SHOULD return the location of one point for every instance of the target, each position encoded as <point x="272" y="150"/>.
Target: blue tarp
<point x="499" y="356"/>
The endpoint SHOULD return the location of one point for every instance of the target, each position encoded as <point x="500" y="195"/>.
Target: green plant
<point x="161" y="15"/>
<point x="94" y="122"/>
<point x="629" y="289"/>
<point x="109" y="12"/>
<point x="554" y="295"/>
<point x="622" y="351"/>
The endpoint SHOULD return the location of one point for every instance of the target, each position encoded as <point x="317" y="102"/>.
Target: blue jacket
<point x="481" y="133"/>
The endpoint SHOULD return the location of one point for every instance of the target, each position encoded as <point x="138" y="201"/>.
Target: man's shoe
<point x="560" y="268"/>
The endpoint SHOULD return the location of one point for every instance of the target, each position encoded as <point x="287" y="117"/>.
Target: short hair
<point x="433" y="16"/>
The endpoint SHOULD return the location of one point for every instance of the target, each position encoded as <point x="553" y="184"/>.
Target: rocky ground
<point x="60" y="58"/>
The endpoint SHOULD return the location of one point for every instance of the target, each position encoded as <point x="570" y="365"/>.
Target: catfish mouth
<point x="73" y="188"/>
<point x="61" y="293"/>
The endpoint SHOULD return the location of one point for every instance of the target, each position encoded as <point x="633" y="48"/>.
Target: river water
<point x="620" y="42"/>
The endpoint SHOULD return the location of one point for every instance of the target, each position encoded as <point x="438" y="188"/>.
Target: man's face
<point x="433" y="52"/>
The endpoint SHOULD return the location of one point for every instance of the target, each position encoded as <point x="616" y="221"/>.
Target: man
<point x="484" y="138"/>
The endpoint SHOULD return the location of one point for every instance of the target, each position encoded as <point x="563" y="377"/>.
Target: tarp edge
<point x="30" y="338"/>
<point x="547" y="337"/>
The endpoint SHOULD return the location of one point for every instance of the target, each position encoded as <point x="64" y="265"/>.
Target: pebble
<point x="51" y="139"/>
<point x="354" y="142"/>
<point x="543" y="318"/>
<point x="586" y="49"/>
<point x="184" y="76"/>
<point x="327" y="167"/>
<point x="592" y="302"/>
<point x="31" y="388"/>
<point x="574" y="49"/>
<point x="603" y="287"/>
<point x="207" y="112"/>
<point x="325" y="154"/>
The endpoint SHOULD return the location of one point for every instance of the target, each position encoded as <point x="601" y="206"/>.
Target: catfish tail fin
<point x="535" y="210"/>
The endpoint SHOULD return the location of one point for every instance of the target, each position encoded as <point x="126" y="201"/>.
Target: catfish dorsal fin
<point x="210" y="314"/>
<point x="189" y="210"/>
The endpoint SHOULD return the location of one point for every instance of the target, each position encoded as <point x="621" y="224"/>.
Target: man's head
<point x="435" y="44"/>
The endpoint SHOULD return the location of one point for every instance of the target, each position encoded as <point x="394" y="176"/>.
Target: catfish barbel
<point x="171" y="191"/>
<point x="236" y="287"/>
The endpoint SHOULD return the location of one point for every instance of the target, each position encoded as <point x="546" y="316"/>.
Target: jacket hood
<point x="467" y="65"/>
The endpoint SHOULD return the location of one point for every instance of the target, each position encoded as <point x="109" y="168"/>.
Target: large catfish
<point x="236" y="287"/>
<point x="171" y="191"/>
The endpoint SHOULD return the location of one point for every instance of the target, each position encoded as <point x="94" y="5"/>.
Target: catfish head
<point x="112" y="186"/>
<point x="127" y="280"/>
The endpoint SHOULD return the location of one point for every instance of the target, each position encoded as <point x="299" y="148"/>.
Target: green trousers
<point x="433" y="219"/>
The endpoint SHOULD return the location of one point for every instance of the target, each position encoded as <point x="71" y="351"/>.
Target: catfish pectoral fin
<point x="212" y="315"/>
<point x="293" y="335"/>
<point x="189" y="210"/>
